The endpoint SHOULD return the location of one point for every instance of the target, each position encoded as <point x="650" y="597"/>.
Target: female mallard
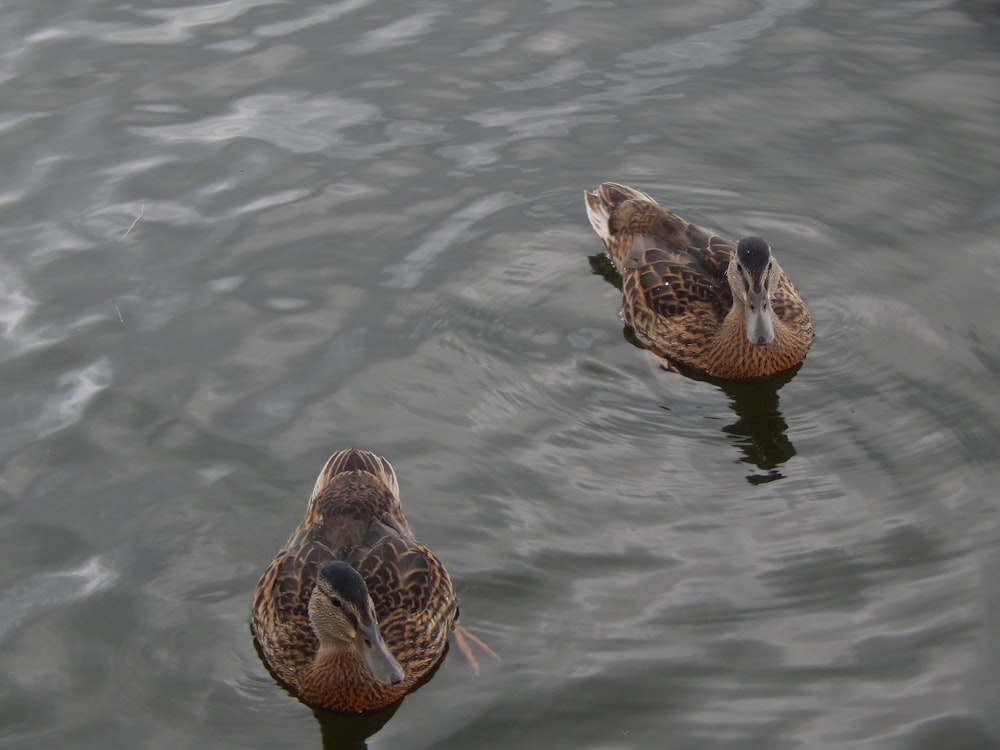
<point x="353" y="612"/>
<point x="698" y="299"/>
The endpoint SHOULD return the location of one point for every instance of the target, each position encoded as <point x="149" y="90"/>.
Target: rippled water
<point x="237" y="236"/>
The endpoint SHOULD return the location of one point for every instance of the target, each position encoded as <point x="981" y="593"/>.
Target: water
<point x="237" y="236"/>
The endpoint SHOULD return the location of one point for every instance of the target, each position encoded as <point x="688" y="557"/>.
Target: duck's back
<point x="632" y="224"/>
<point x="354" y="488"/>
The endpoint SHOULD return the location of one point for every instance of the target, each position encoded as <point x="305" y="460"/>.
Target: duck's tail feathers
<point x="355" y="459"/>
<point x="601" y="202"/>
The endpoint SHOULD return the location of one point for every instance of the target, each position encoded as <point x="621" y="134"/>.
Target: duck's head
<point x="342" y="615"/>
<point x="753" y="276"/>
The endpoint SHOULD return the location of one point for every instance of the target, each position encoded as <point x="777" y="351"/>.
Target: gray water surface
<point x="240" y="235"/>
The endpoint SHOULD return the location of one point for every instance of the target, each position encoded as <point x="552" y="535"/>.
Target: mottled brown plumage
<point x="354" y="516"/>
<point x="696" y="298"/>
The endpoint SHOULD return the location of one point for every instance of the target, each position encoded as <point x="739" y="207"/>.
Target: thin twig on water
<point x="142" y="207"/>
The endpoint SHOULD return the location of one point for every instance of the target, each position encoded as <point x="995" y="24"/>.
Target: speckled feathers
<point x="677" y="293"/>
<point x="354" y="515"/>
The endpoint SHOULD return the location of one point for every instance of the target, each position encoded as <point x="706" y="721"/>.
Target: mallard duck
<point x="353" y="612"/>
<point x="697" y="299"/>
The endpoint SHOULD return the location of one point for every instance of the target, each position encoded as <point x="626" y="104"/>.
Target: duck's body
<point x="702" y="301"/>
<point x="354" y="516"/>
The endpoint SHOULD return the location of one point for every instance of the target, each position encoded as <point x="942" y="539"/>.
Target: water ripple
<point x="45" y="591"/>
<point x="15" y="304"/>
<point x="175" y="25"/>
<point x="311" y="18"/>
<point x="300" y="123"/>
<point x="408" y="272"/>
<point x="397" y="33"/>
<point x="78" y="388"/>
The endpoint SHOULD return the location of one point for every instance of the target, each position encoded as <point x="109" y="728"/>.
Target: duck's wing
<point x="415" y="600"/>
<point x="281" y="604"/>
<point x="295" y="576"/>
<point x="669" y="294"/>
<point x="622" y="216"/>
<point x="790" y="309"/>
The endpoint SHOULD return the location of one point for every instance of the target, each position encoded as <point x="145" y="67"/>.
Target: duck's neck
<point x="733" y="356"/>
<point x="339" y="680"/>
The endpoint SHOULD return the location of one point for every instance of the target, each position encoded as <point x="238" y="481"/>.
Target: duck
<point x="726" y="309"/>
<point x="353" y="612"/>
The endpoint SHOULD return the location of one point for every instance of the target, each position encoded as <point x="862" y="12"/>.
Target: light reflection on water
<point x="363" y="225"/>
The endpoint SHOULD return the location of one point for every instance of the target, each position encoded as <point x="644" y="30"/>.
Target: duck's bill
<point x="376" y="655"/>
<point x="760" y="326"/>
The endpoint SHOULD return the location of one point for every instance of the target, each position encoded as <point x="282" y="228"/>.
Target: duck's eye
<point x="335" y="602"/>
<point x="770" y="265"/>
<point x="368" y="643"/>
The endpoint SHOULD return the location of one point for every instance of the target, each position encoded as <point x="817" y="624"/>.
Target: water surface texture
<point x="236" y="236"/>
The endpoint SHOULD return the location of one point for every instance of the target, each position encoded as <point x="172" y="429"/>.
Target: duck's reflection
<point x="349" y="732"/>
<point x="760" y="429"/>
